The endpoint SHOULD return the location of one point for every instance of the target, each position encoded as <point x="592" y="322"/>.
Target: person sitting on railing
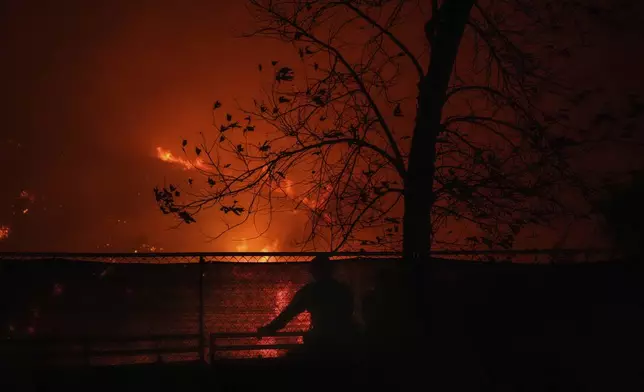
<point x="330" y="304"/>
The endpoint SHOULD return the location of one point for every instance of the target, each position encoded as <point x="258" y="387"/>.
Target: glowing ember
<point x="26" y="195"/>
<point x="147" y="248"/>
<point x="26" y="210"/>
<point x="4" y="232"/>
<point x="168" y="156"/>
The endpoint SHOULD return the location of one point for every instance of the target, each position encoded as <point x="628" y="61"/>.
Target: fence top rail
<point x="188" y="254"/>
<point x="208" y="255"/>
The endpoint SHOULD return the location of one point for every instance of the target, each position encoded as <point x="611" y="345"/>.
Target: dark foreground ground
<point x="275" y="376"/>
<point x="495" y="327"/>
<point x="271" y="375"/>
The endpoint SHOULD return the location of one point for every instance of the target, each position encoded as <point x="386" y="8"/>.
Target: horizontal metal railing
<point x="215" y="337"/>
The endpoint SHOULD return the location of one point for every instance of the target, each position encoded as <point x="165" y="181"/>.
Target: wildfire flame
<point x="243" y="247"/>
<point x="4" y="232"/>
<point x="286" y="187"/>
<point x="268" y="248"/>
<point x="168" y="156"/>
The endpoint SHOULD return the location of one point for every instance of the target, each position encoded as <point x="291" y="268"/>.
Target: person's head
<point x="321" y="267"/>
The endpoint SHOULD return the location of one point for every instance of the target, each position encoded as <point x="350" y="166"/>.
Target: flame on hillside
<point x="273" y="247"/>
<point x="4" y="232"/>
<point x="168" y="156"/>
<point x="316" y="203"/>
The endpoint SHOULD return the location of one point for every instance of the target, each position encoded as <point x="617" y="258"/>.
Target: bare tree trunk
<point x="444" y="31"/>
<point x="445" y="38"/>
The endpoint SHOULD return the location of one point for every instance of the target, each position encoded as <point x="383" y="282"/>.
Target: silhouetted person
<point x="330" y="304"/>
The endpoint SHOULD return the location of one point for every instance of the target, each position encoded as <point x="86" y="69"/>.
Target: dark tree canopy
<point x="404" y="124"/>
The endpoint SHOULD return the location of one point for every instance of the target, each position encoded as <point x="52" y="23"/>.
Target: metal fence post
<point x="202" y="342"/>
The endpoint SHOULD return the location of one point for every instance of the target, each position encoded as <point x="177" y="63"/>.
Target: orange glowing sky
<point x="96" y="92"/>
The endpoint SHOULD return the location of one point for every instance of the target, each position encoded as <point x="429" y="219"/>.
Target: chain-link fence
<point x="516" y="256"/>
<point x="69" y="296"/>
